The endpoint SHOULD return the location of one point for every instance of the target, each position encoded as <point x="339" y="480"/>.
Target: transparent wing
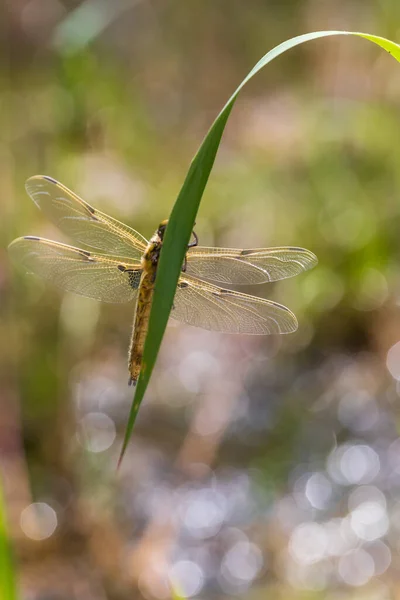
<point x="229" y="265"/>
<point x="86" y="225"/>
<point x="93" y="275"/>
<point x="210" y="307"/>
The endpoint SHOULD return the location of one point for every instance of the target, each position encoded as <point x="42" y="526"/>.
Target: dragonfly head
<point x="161" y="228"/>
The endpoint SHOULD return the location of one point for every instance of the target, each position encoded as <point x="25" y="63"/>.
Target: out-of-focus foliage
<point x="7" y="571"/>
<point x="259" y="467"/>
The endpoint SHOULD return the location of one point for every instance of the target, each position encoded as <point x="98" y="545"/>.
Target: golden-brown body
<point x="149" y="263"/>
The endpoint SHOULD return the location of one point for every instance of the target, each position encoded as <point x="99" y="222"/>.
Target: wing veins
<point x="94" y="275"/>
<point x="81" y="221"/>
<point x="237" y="266"/>
<point x="234" y="310"/>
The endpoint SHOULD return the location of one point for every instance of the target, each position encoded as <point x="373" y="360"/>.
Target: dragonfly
<point x="118" y="264"/>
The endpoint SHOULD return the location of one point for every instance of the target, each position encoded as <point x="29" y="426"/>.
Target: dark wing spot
<point x="183" y="284"/>
<point x="50" y="179"/>
<point x="223" y="292"/>
<point x="121" y="268"/>
<point x="90" y="208"/>
<point x="134" y="278"/>
<point x="31" y="237"/>
<point x="85" y="253"/>
<point x="246" y="252"/>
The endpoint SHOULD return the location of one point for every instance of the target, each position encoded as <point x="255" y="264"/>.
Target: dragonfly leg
<point x="190" y="245"/>
<point x="132" y="382"/>
<point x="196" y="240"/>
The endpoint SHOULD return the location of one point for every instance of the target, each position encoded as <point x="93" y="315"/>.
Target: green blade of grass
<point x="8" y="589"/>
<point x="184" y="212"/>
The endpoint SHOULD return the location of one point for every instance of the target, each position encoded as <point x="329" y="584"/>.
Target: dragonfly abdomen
<point x="141" y="322"/>
<point x="140" y="326"/>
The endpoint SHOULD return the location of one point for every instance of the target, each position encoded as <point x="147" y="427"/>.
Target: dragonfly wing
<point x="85" y="224"/>
<point x="229" y="265"/>
<point x="93" y="275"/>
<point x="210" y="307"/>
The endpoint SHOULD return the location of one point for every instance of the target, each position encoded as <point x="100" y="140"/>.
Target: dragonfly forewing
<point x="85" y="224"/>
<point x="244" y="267"/>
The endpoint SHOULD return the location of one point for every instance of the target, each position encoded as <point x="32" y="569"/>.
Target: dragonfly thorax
<point x="161" y="229"/>
<point x="152" y="254"/>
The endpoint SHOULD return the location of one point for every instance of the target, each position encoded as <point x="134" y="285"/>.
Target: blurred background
<point x="259" y="467"/>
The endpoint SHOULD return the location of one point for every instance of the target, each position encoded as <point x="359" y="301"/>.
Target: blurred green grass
<point x="8" y="587"/>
